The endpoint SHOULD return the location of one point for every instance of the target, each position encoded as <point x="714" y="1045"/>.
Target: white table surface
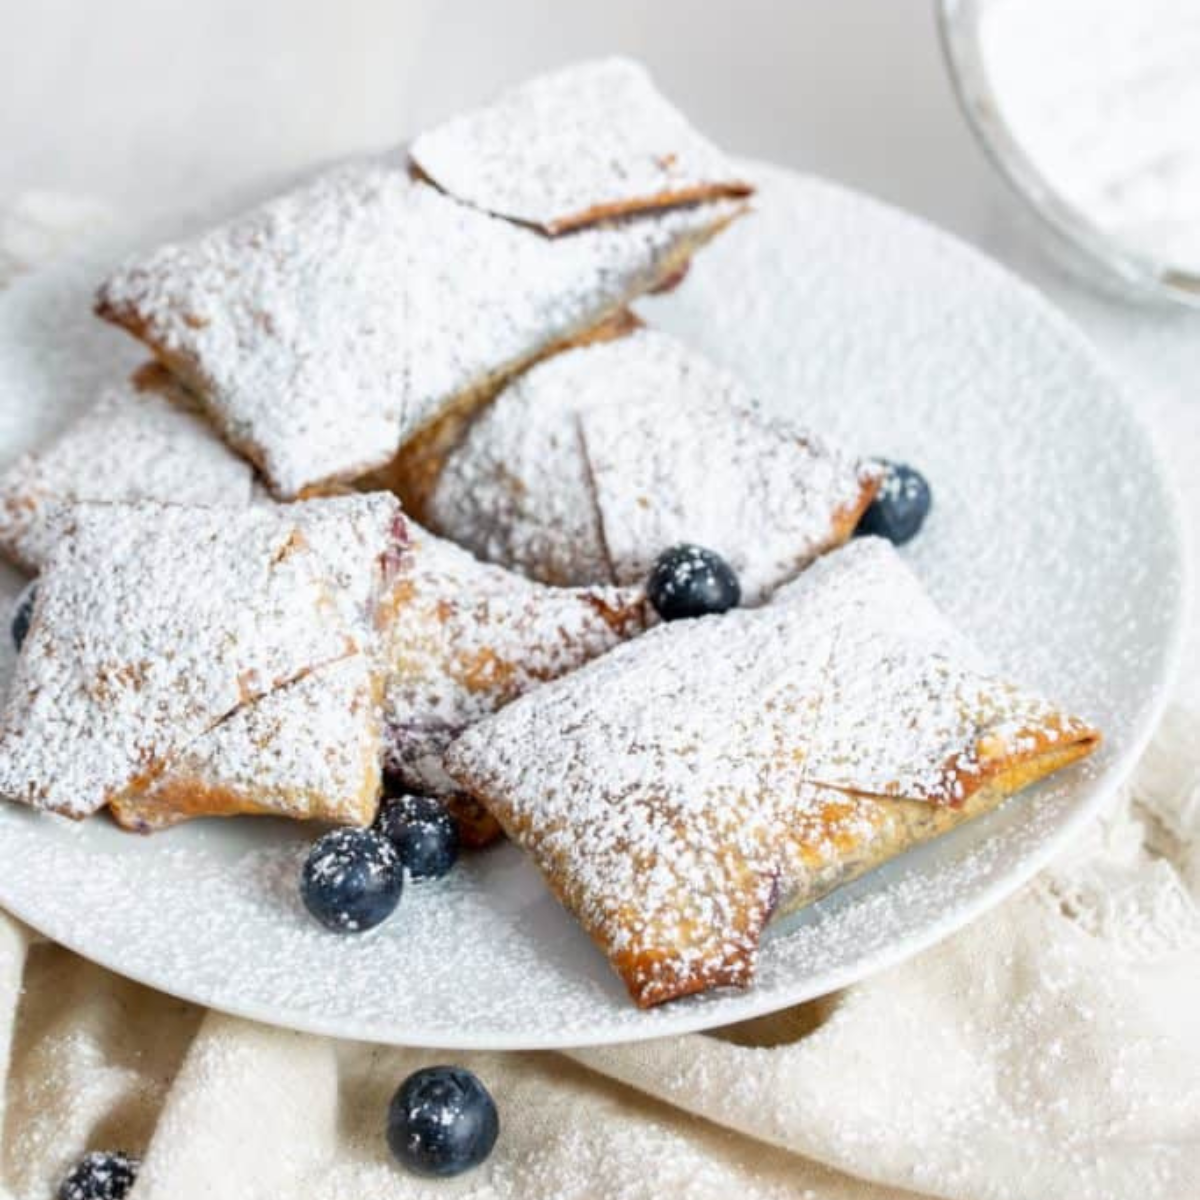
<point x="148" y="104"/>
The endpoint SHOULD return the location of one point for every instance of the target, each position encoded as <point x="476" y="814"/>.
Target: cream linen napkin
<point x="1052" y="1049"/>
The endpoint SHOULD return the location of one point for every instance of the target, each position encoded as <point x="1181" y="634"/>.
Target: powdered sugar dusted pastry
<point x="413" y="473"/>
<point x="156" y="624"/>
<point x="593" y="462"/>
<point x="471" y="637"/>
<point x="329" y="325"/>
<point x="143" y="440"/>
<point x="684" y="788"/>
<point x="589" y="141"/>
<point x="309" y="750"/>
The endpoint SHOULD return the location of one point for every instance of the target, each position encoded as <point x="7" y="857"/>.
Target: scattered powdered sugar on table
<point x="587" y="467"/>
<point x="1051" y="543"/>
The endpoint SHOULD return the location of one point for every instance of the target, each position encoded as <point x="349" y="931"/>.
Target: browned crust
<point x="500" y="677"/>
<point x="835" y="855"/>
<point x="170" y="798"/>
<point x="735" y="189"/>
<point x="899" y="825"/>
<point x="164" y="795"/>
<point x="672" y="281"/>
<point x="612" y="210"/>
<point x="477" y="828"/>
<point x="173" y="799"/>
<point x="19" y="513"/>
<point x="846" y="518"/>
<point x="995" y="764"/>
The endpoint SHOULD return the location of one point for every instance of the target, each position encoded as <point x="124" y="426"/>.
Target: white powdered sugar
<point x="142" y="440"/>
<point x="678" y="789"/>
<point x="516" y="490"/>
<point x="325" y="327"/>
<point x="588" y="466"/>
<point x="470" y="637"/>
<point x="584" y="142"/>
<point x="312" y="748"/>
<point x="154" y="623"/>
<point x="309" y="750"/>
<point x="1104" y="98"/>
<point x="358" y="540"/>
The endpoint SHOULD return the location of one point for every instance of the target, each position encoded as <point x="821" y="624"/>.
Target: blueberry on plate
<point x="442" y="1121"/>
<point x="424" y="834"/>
<point x="352" y="880"/>
<point x="689" y="581"/>
<point x="100" y="1175"/>
<point x="901" y="507"/>
<point x="23" y="615"/>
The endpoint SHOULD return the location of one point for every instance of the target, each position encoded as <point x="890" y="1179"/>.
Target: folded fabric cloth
<point x="1050" y="1049"/>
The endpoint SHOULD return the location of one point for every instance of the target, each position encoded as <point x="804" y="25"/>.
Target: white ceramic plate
<point x="1054" y="540"/>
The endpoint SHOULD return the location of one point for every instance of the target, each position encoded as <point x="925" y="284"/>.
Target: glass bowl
<point x="1087" y="249"/>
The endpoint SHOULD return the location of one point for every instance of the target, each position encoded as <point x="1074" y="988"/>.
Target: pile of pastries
<point x="406" y="500"/>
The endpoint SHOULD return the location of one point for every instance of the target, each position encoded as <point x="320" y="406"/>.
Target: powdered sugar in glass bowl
<point x="1091" y="111"/>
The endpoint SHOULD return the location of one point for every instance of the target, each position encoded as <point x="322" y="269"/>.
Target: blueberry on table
<point x="424" y="834"/>
<point x="100" y="1175"/>
<point x="442" y="1121"/>
<point x="23" y="615"/>
<point x="689" y="581"/>
<point x="352" y="880"/>
<point x="900" y="508"/>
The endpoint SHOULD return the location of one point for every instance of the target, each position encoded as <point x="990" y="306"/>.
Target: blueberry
<point x="442" y="1121"/>
<point x="689" y="581"/>
<point x="901" y="507"/>
<point x="100" y="1175"/>
<point x="23" y="615"/>
<point x="352" y="880"/>
<point x="424" y="834"/>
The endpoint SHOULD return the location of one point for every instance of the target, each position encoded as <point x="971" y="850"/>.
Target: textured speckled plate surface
<point x="1054" y="541"/>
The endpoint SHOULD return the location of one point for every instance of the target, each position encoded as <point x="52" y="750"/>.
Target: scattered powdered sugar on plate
<point x="1053" y="543"/>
